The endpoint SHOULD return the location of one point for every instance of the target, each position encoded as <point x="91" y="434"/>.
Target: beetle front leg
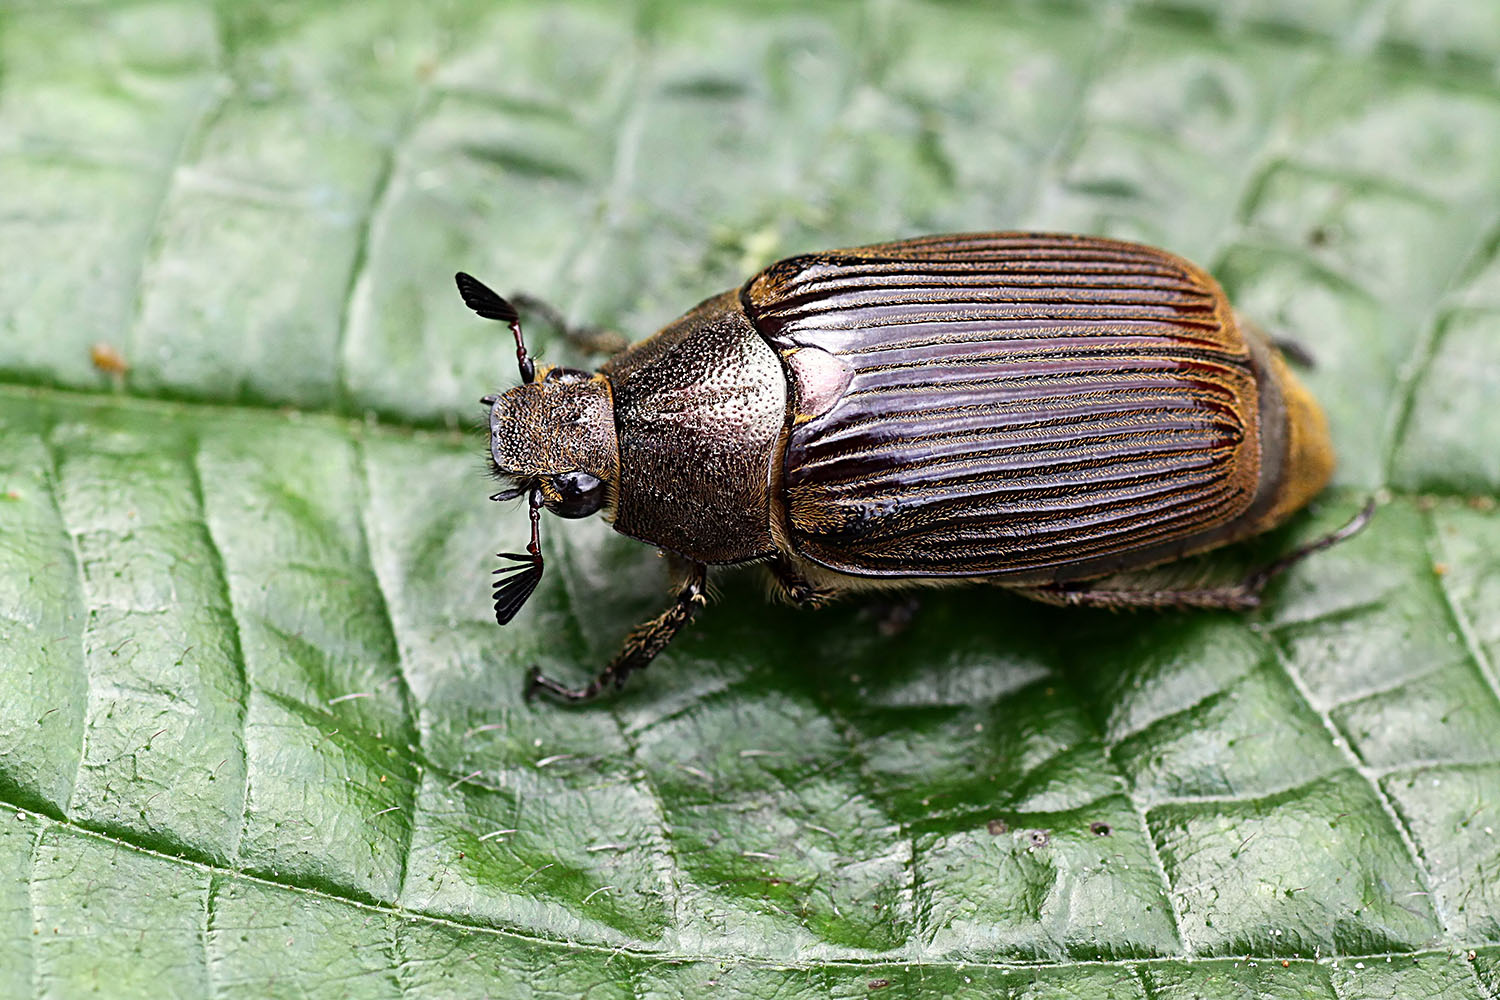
<point x="587" y="339"/>
<point x="640" y="648"/>
<point x="1241" y="596"/>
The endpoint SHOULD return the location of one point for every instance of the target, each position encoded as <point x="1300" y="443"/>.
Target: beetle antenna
<point x="491" y="305"/>
<point x="517" y="582"/>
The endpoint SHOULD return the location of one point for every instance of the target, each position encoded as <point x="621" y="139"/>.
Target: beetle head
<point x="552" y="438"/>
<point x="557" y="435"/>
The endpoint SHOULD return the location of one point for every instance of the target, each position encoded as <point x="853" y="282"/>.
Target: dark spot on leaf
<point x="996" y="827"/>
<point x="709" y="88"/>
<point x="1039" y="838"/>
<point x="525" y="163"/>
<point x="1100" y="829"/>
<point x="1108" y="187"/>
<point x="879" y="984"/>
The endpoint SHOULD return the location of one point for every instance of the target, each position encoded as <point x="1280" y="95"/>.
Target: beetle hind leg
<point x="640" y="648"/>
<point x="587" y="339"/>
<point x="1293" y="350"/>
<point x="1241" y="596"/>
<point x="1231" y="597"/>
<point x="1296" y="353"/>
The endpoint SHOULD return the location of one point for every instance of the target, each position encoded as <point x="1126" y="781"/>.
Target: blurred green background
<point x="259" y="735"/>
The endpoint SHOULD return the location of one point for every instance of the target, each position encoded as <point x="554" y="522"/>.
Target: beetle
<point x="1031" y="410"/>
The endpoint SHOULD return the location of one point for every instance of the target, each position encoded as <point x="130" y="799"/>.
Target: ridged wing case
<point x="1010" y="405"/>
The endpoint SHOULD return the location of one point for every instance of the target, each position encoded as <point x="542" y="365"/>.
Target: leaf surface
<point x="259" y="735"/>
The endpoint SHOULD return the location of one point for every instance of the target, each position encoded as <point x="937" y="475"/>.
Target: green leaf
<point x="259" y="735"/>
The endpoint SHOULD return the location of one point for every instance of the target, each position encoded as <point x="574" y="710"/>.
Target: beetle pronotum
<point x="1030" y="410"/>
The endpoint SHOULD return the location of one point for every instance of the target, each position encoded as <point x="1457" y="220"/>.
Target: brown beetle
<point x="1023" y="409"/>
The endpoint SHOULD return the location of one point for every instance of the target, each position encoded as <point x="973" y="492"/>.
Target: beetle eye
<point x="580" y="494"/>
<point x="566" y="375"/>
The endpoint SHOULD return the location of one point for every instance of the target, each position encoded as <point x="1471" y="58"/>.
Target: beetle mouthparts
<point x="488" y="400"/>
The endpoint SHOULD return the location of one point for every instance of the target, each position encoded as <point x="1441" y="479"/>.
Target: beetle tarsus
<point x="587" y="339"/>
<point x="1296" y="352"/>
<point x="1258" y="579"/>
<point x="537" y="681"/>
<point x="640" y="647"/>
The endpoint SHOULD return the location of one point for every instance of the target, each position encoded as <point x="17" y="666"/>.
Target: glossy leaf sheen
<point x="260" y="736"/>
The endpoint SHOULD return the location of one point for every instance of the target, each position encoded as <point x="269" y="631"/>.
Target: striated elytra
<point x="1023" y="409"/>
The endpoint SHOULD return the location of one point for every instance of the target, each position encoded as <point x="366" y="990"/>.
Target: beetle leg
<point x="588" y="339"/>
<point x="1296" y="352"/>
<point x="1241" y="596"/>
<point x="640" y="648"/>
<point x="1234" y="597"/>
<point x="795" y="587"/>
<point x="1257" y="580"/>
